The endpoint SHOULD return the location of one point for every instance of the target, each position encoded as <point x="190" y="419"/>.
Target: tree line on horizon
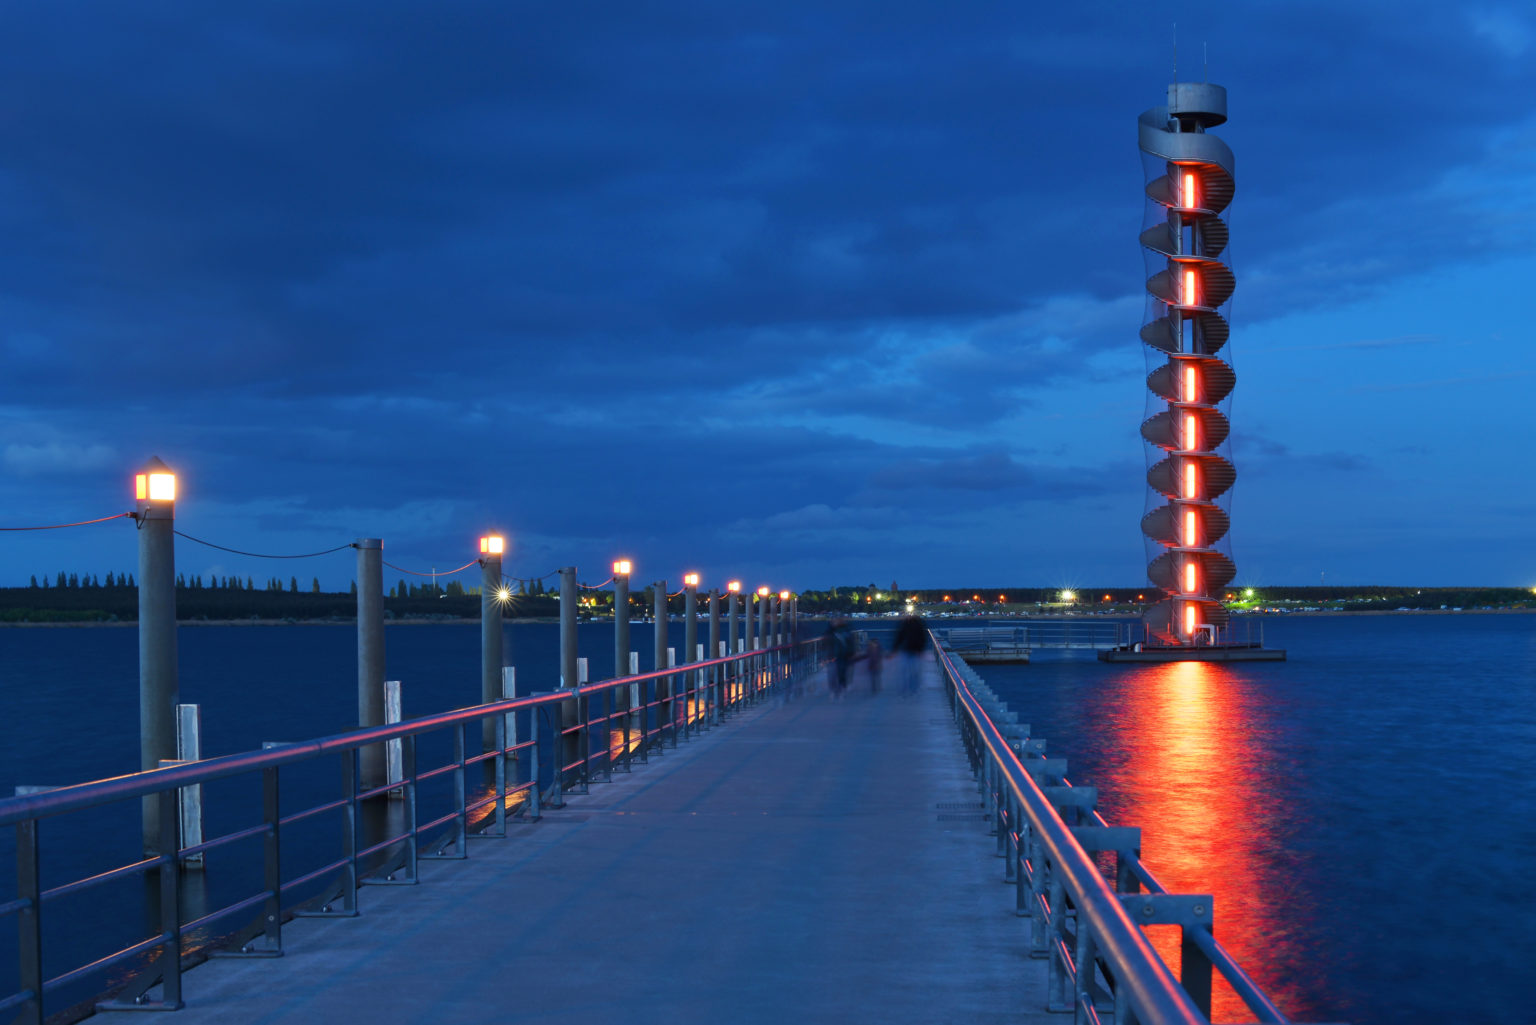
<point x="71" y="597"/>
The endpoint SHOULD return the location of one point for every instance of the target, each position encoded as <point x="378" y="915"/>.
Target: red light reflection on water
<point x="1196" y="756"/>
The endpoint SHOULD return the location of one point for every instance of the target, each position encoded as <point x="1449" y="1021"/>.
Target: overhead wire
<point x="82" y="523"/>
<point x="434" y="573"/>
<point x="261" y="555"/>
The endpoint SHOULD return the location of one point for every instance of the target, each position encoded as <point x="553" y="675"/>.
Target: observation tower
<point x="1190" y="183"/>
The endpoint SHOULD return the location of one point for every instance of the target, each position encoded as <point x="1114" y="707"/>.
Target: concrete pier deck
<point x="804" y="863"/>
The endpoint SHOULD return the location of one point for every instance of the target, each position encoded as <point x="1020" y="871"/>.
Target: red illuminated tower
<point x="1190" y="183"/>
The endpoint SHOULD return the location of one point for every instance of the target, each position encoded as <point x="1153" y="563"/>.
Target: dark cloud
<point x="596" y="272"/>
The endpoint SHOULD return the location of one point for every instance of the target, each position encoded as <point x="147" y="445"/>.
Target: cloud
<point x="55" y="458"/>
<point x="1504" y="30"/>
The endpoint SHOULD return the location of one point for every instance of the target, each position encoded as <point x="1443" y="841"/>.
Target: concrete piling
<point x="713" y="702"/>
<point x="663" y="685"/>
<point x="570" y="715"/>
<point x="492" y="656"/>
<point x="370" y="655"/>
<point x="690" y="686"/>
<point x="158" y="684"/>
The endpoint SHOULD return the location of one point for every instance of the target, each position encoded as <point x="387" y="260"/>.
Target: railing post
<point x="1087" y="970"/>
<point x="499" y="722"/>
<point x="534" y="812"/>
<point x="349" y="779"/>
<point x="370" y="654"/>
<point x="1195" y="964"/>
<point x="1058" y="988"/>
<point x="29" y="923"/>
<point x="272" y="862"/>
<point x="408" y="791"/>
<point x="169" y="874"/>
<point x="460" y="795"/>
<point x="584" y="714"/>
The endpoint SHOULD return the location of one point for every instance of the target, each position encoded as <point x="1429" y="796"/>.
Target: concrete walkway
<point x="795" y="865"/>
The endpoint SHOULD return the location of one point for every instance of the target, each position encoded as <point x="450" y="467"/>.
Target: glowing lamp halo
<point x="690" y="580"/>
<point x="622" y="567"/>
<point x="734" y="587"/>
<point x="493" y="544"/>
<point x="154" y="487"/>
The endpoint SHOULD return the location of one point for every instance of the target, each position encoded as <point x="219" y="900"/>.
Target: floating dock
<point x="1212" y="653"/>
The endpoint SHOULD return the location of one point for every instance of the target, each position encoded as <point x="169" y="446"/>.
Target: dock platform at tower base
<point x="996" y="657"/>
<point x="1210" y="653"/>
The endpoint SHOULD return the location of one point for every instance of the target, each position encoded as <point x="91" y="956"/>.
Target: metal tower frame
<point x="1190" y="183"/>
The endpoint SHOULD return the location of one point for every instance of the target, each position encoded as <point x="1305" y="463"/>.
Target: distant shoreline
<point x="817" y="617"/>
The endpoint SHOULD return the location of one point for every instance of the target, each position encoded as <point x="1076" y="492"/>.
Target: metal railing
<point x="1084" y="634"/>
<point x="1088" y="927"/>
<point x="672" y="704"/>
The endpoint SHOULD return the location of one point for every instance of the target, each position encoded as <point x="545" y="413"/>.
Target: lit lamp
<point x="735" y="587"/>
<point x="622" y="568"/>
<point x="493" y="544"/>
<point x="762" y="592"/>
<point x="154" y="488"/>
<point x="690" y="580"/>
<point x="783" y="596"/>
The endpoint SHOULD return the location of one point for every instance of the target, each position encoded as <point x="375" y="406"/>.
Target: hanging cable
<point x="260" y="555"/>
<point x="82" y="523"/>
<point x="441" y="573"/>
<point x="594" y="587"/>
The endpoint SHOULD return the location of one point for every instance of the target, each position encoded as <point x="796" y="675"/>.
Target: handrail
<point x="80" y="796"/>
<point x="704" y="691"/>
<point x="1156" y="997"/>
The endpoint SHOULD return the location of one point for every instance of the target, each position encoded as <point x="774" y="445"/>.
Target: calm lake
<point x="1364" y="813"/>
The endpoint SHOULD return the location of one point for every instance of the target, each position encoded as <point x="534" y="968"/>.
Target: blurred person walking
<point x="910" y="644"/>
<point x="875" y="656"/>
<point x="842" y="644"/>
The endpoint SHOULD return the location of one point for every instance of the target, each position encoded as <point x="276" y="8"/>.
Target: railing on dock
<point x="671" y="704"/>
<point x="994" y="639"/>
<point x="1088" y="927"/>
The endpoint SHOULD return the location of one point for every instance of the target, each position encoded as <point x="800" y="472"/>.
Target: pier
<point x="809" y="861"/>
<point x="731" y="842"/>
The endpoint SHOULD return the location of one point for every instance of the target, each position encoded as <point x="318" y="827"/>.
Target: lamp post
<point x="690" y="640"/>
<point x="712" y="711"/>
<point x="155" y="513"/>
<point x="663" y="683"/>
<point x="761" y="661"/>
<point x="570" y="714"/>
<point x="762" y="616"/>
<point x="783" y="613"/>
<point x="624" y="697"/>
<point x="492" y="601"/>
<point x="732" y="603"/>
<point x="372" y="766"/>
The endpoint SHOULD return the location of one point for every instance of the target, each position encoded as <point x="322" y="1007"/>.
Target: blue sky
<point x="801" y="293"/>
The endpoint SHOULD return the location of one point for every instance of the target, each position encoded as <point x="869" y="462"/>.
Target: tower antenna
<point x="1175" y="53"/>
<point x="1205" y="60"/>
